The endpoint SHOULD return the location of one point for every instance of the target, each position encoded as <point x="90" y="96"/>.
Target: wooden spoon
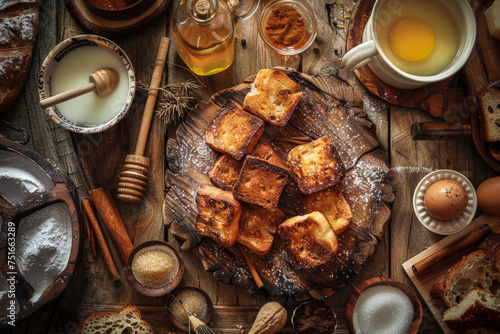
<point x="102" y="81"/>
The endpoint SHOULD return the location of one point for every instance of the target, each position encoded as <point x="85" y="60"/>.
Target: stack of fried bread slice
<point x="470" y="290"/>
<point x="251" y="177"/>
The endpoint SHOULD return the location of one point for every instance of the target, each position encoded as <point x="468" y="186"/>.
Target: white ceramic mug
<point x="370" y="52"/>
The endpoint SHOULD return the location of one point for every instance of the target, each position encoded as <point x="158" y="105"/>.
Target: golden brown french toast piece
<point x="273" y="97"/>
<point x="234" y="131"/>
<point x="332" y="204"/>
<point x="260" y="182"/>
<point x="315" y="166"/>
<point x="218" y="215"/>
<point x="225" y="172"/>
<point x="258" y="227"/>
<point x="265" y="151"/>
<point x="309" y="239"/>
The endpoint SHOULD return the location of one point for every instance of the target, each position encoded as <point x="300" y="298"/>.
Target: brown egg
<point x="445" y="199"/>
<point x="488" y="196"/>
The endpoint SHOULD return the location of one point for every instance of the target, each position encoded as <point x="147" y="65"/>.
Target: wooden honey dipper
<point x="102" y="81"/>
<point x="133" y="180"/>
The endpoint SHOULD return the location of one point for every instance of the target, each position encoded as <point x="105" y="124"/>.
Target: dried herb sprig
<point x="176" y="100"/>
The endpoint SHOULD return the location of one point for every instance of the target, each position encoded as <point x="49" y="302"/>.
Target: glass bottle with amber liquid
<point x="204" y="35"/>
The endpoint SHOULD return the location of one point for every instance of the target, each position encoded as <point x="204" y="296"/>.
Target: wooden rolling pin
<point x="133" y="181"/>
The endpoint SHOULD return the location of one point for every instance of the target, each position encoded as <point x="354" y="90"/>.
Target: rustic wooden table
<point x="91" y="290"/>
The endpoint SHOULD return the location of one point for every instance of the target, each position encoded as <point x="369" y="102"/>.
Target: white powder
<point x="382" y="309"/>
<point x="20" y="178"/>
<point x="43" y="246"/>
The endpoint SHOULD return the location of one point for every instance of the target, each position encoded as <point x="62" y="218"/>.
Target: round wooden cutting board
<point x="329" y="107"/>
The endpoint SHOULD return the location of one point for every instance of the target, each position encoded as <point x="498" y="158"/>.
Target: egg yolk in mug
<point x="411" y="38"/>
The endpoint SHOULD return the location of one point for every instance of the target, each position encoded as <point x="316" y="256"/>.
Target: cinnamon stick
<point x="100" y="240"/>
<point x="255" y="274"/>
<point x="291" y="141"/>
<point x="90" y="235"/>
<point x="113" y="222"/>
<point x="468" y="241"/>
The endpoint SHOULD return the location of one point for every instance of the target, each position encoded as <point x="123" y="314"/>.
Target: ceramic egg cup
<point x="444" y="227"/>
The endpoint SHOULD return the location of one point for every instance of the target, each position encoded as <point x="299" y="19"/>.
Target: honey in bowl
<point x="418" y="37"/>
<point x="73" y="70"/>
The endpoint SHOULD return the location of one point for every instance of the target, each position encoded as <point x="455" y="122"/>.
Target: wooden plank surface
<point x="91" y="290"/>
<point x="426" y="280"/>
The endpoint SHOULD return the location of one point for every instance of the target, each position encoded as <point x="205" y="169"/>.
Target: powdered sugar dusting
<point x="19" y="29"/>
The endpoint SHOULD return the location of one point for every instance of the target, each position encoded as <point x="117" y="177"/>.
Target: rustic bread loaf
<point x="474" y="270"/>
<point x="257" y="228"/>
<point x="260" y="182"/>
<point x="309" y="240"/>
<point x="477" y="309"/>
<point x="127" y="320"/>
<point x="489" y="114"/>
<point x="234" y="131"/>
<point x="18" y="31"/>
<point x="218" y="215"/>
<point x="273" y="97"/>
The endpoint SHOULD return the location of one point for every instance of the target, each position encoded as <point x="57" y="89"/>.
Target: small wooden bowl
<point x="127" y="13"/>
<point x="170" y="298"/>
<point x="351" y="302"/>
<point x="148" y="291"/>
<point x="295" y="315"/>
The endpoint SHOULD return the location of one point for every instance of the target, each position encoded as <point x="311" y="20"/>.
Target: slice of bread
<point x="332" y="204"/>
<point x="265" y="151"/>
<point x="309" y="239"/>
<point x="475" y="270"/>
<point x="225" y="172"/>
<point x="260" y="182"/>
<point x="273" y="97"/>
<point x="127" y="320"/>
<point x="477" y="309"/>
<point x="218" y="215"/>
<point x="315" y="166"/>
<point x="489" y="115"/>
<point x="257" y="228"/>
<point x="234" y="131"/>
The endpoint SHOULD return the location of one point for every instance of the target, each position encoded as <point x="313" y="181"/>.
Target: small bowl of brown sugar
<point x="154" y="268"/>
<point x="288" y="27"/>
<point x="314" y="317"/>
<point x="192" y="298"/>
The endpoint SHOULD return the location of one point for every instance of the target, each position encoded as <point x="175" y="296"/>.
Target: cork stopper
<point x="203" y="9"/>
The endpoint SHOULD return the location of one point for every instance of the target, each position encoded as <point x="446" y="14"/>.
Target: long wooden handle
<point x="440" y="131"/>
<point x="152" y="95"/>
<point x="70" y="94"/>
<point x="468" y="241"/>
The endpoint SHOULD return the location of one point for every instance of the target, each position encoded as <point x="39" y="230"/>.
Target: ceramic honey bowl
<point x="409" y="44"/>
<point x="69" y="65"/>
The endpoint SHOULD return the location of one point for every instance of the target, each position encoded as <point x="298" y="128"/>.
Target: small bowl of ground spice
<point x="288" y="26"/>
<point x="154" y="268"/>
<point x="314" y="317"/>
<point x="197" y="301"/>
